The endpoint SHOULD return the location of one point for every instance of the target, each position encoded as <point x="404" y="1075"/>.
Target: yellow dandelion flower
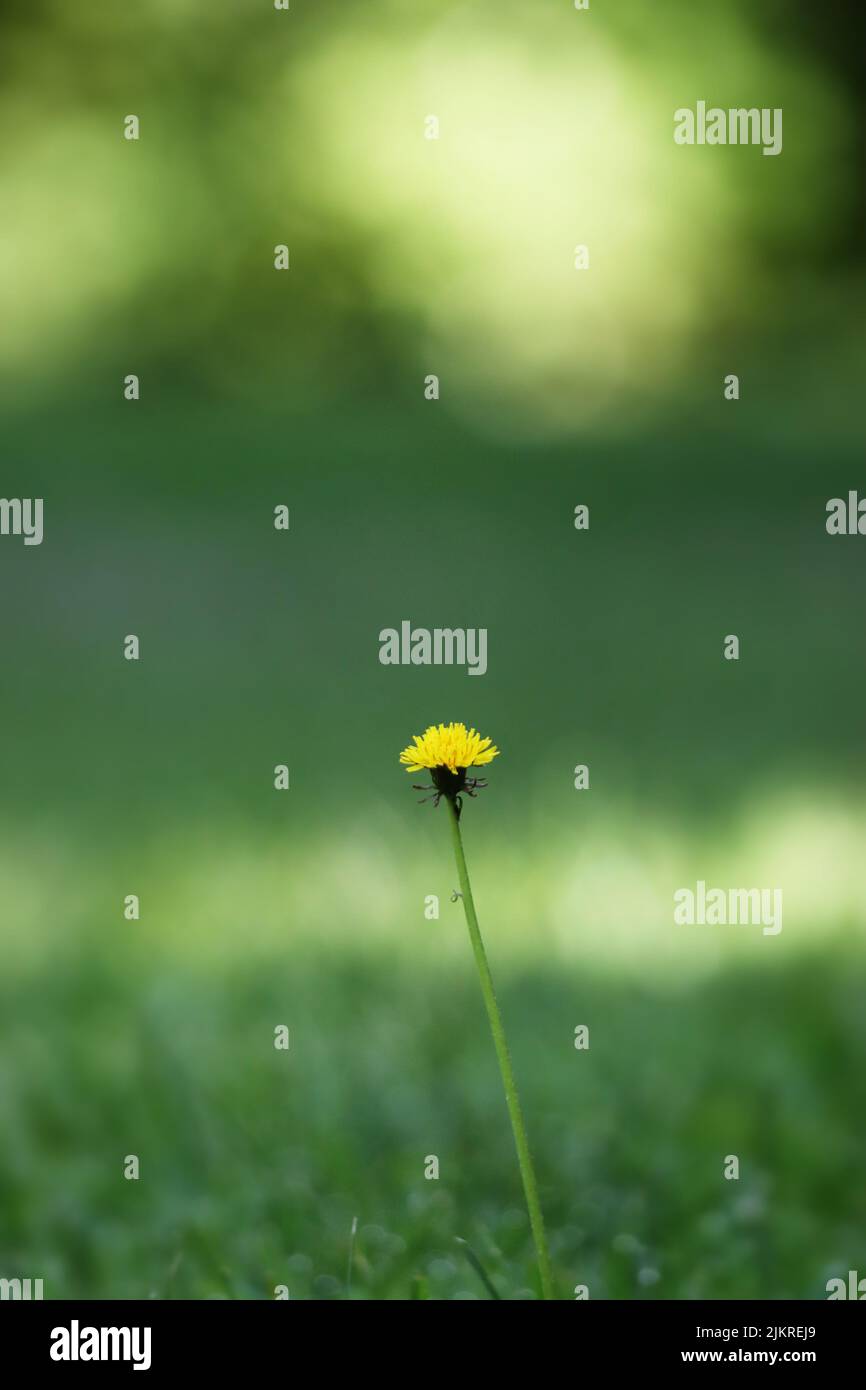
<point x="447" y="751"/>
<point x="448" y="745"/>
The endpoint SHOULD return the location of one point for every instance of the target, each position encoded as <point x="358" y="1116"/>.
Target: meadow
<point x="584" y="290"/>
<point x="306" y="908"/>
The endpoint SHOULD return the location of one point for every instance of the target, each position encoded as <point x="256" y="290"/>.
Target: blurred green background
<point x="259" y="647"/>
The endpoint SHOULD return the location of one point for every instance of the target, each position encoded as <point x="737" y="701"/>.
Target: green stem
<point x="512" y="1100"/>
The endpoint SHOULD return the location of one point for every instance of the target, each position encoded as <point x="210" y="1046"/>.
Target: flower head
<point x="447" y="750"/>
<point x="448" y="745"/>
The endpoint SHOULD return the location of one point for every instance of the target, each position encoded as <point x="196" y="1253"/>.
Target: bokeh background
<point x="259" y="647"/>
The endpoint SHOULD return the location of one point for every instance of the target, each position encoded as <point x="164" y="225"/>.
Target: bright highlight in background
<point x="546" y="144"/>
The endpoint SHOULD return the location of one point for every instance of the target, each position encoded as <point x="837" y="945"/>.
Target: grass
<point x="254" y="1162"/>
<point x="156" y="1038"/>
